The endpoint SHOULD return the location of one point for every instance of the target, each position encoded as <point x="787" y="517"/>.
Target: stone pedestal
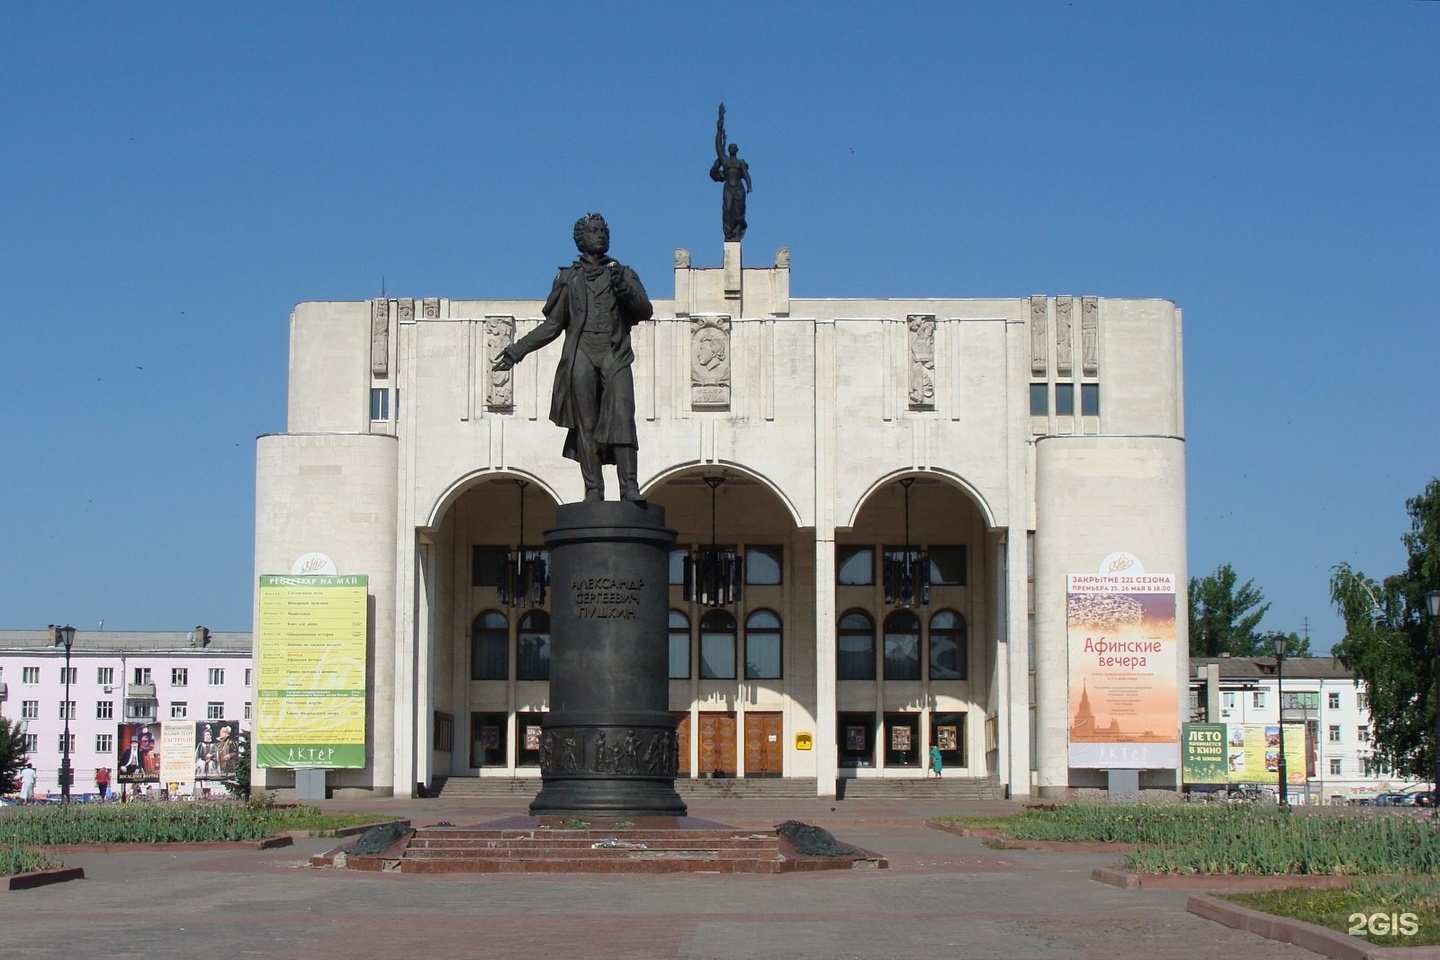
<point x="607" y="745"/>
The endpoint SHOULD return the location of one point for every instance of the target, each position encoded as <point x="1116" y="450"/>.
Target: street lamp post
<point x="1279" y="640"/>
<point x="1432" y="602"/>
<point x="65" y="635"/>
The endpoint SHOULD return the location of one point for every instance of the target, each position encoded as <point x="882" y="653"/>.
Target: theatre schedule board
<point x="310" y="671"/>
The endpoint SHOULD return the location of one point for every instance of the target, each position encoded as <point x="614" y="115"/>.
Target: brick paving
<point x="944" y="896"/>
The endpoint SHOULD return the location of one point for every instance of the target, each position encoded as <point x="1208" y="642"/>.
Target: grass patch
<point x="17" y="859"/>
<point x="161" y="823"/>
<point x="1239" y="839"/>
<point x="1400" y="901"/>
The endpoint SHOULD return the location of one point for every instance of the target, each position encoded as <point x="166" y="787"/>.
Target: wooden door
<point x="717" y="744"/>
<point x="682" y="734"/>
<point x="764" y="745"/>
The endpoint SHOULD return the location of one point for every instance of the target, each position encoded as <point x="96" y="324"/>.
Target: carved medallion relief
<point x="710" y="362"/>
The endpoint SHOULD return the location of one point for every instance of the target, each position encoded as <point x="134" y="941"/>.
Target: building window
<point x="105" y="676"/>
<point x="1334" y="700"/>
<point x="490" y="647"/>
<point x="855" y="652"/>
<point x="32" y="743"/>
<point x="902" y="646"/>
<point x="379" y="404"/>
<point x="29" y="709"/>
<point x="179" y="676"/>
<point x="66" y="744"/>
<point x="1363" y="734"/>
<point x="532" y="642"/>
<point x="947" y="646"/>
<point x="1227" y="700"/>
<point x="1090" y="399"/>
<point x="854" y="566"/>
<point x="1065" y="399"/>
<point x="214" y="711"/>
<point x="763" y="566"/>
<point x="67" y="709"/>
<point x="69" y="674"/>
<point x="1337" y="767"/>
<point x="679" y="646"/>
<point x="104" y="709"/>
<point x="947" y="566"/>
<point x="1360" y="702"/>
<point x="1194" y="702"/>
<point x="179" y="710"/>
<point x="444" y="731"/>
<point x="247" y="709"/>
<point x="143" y="710"/>
<point x="1039" y="399"/>
<point x="30" y="676"/>
<point x="142" y="676"/>
<point x="762" y="646"/>
<point x="1257" y="699"/>
<point x="678" y="556"/>
<point x="104" y="743"/>
<point x="487" y="565"/>
<point x="216" y="676"/>
<point x="717" y="646"/>
<point x="1334" y="733"/>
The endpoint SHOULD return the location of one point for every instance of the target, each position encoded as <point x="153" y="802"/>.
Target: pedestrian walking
<point x="936" y="762"/>
<point x="27" y="784"/>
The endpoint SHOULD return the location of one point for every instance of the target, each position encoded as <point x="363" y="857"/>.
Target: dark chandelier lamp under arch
<point x="523" y="576"/>
<point x="712" y="574"/>
<point x="907" y="571"/>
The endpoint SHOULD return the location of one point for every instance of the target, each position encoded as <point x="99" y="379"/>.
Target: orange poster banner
<point x="1124" y="706"/>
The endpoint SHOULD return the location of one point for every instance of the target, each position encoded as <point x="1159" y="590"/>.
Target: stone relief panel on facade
<point x="1039" y="335"/>
<point x="500" y="384"/>
<point x="405" y="311"/>
<point x="1064" y="324"/>
<point x="430" y="308"/>
<point x="380" y="338"/>
<point x="921" y="335"/>
<point x="710" y="361"/>
<point x="682" y="257"/>
<point x="1089" y="335"/>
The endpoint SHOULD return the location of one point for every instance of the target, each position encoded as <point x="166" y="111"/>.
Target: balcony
<point x="140" y="710"/>
<point x="141" y="691"/>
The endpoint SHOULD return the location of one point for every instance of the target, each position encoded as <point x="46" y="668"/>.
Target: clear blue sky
<point x="174" y="178"/>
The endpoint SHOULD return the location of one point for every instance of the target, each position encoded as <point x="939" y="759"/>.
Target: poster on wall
<point x="1123" y="707"/>
<point x="138" y="756"/>
<point x="177" y="755"/>
<point x="854" y="738"/>
<point x="310" y="671"/>
<point x="947" y="737"/>
<point x="899" y="738"/>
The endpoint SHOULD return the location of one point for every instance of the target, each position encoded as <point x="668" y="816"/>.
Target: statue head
<point x="592" y="235"/>
<point x="734" y="149"/>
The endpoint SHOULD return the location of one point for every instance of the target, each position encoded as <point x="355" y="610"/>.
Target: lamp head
<point x="1279" y="640"/>
<point x="1432" y="601"/>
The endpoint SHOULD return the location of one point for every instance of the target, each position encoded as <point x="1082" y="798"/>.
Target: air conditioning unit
<point x="109" y="689"/>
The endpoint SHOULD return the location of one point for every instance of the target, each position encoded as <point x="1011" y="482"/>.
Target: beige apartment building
<point x="1003" y="444"/>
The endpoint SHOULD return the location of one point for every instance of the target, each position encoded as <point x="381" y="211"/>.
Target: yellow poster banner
<point x="310" y="671"/>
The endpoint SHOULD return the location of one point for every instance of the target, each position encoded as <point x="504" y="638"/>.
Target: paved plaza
<point x="944" y="896"/>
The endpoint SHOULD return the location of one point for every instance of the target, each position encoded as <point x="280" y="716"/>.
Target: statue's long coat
<point x="565" y="313"/>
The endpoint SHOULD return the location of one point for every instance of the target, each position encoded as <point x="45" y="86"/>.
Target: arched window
<point x="947" y="646"/>
<point x="855" y="650"/>
<point x="679" y="646"/>
<point x="762" y="646"/>
<point x="902" y="646"/>
<point x="490" y="647"/>
<point x="532" y="642"/>
<point x="717" y="646"/>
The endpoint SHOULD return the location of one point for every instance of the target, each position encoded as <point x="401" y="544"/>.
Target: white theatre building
<point x="1042" y="435"/>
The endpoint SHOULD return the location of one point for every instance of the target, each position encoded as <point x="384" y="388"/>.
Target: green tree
<point x="1224" y="618"/>
<point x="1388" y="644"/>
<point x="12" y="755"/>
<point x="239" y="785"/>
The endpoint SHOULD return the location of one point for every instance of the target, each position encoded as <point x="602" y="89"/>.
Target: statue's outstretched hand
<point x="507" y="359"/>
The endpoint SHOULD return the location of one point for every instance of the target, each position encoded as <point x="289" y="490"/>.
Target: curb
<point x="1309" y="936"/>
<point x="1226" y="882"/>
<point x="43" y="878"/>
<point x="269" y="843"/>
